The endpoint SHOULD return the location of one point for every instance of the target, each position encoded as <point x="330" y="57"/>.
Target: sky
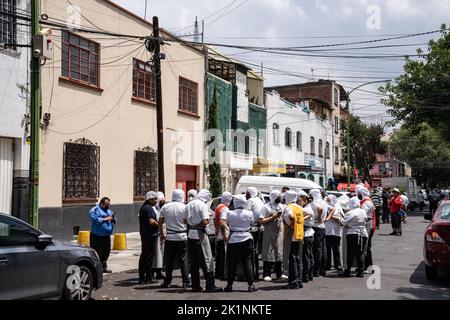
<point x="282" y="23"/>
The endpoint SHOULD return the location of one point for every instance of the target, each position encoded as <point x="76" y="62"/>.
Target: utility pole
<point x="33" y="213"/>
<point x="145" y="12"/>
<point x="153" y="44"/>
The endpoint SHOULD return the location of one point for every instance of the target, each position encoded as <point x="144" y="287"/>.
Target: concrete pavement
<point x="399" y="259"/>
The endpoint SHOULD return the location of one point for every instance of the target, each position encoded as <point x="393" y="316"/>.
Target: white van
<point x="266" y="184"/>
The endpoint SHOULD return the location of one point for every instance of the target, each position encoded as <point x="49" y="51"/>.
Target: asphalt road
<point x="402" y="276"/>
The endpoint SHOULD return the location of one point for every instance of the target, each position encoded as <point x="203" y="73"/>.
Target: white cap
<point x="151" y="195"/>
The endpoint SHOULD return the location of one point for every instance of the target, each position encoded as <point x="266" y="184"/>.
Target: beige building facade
<point x="99" y="135"/>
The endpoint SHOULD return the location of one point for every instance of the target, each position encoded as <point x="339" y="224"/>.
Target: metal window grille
<point x="145" y="171"/>
<point x="81" y="171"/>
<point x="8" y="25"/>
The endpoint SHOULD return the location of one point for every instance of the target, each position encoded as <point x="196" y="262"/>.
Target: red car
<point x="437" y="241"/>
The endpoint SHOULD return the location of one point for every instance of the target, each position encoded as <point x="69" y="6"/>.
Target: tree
<point x="365" y="145"/>
<point x="426" y="152"/>
<point x="215" y="170"/>
<point x="421" y="94"/>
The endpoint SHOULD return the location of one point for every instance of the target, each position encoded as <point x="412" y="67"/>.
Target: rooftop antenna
<point x="312" y="73"/>
<point x="196" y="32"/>
<point x="145" y="14"/>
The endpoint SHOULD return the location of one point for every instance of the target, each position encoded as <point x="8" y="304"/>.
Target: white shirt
<point x="240" y="221"/>
<point x="196" y="212"/>
<point x="174" y="213"/>
<point x="309" y="222"/>
<point x="333" y="228"/>
<point x="288" y="214"/>
<point x="223" y="216"/>
<point x="368" y="208"/>
<point x="255" y="205"/>
<point x="355" y="222"/>
<point x="315" y="205"/>
<point x="270" y="209"/>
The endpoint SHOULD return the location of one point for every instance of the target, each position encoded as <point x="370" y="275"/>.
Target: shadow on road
<point x="426" y="289"/>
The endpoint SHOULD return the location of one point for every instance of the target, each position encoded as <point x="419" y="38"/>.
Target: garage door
<point x="6" y="174"/>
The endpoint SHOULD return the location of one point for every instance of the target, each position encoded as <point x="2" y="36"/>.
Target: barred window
<point x="8" y="29"/>
<point x="80" y="59"/>
<point x="336" y="155"/>
<point x="288" y="137"/>
<point x="144" y="84"/>
<point x="145" y="172"/>
<point x="81" y="171"/>
<point x="327" y="150"/>
<point x="299" y="141"/>
<point x="320" y="148"/>
<point x="188" y="96"/>
<point x="313" y="146"/>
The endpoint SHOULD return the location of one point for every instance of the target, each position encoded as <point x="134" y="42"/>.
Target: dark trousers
<point x="147" y="256"/>
<point x="433" y="206"/>
<point x="176" y="250"/>
<point x="319" y="251"/>
<point x="422" y="205"/>
<point x="368" y="253"/>
<point x="308" y="258"/>
<point x="295" y="262"/>
<point x="197" y="261"/>
<point x="255" y="255"/>
<point x="385" y="217"/>
<point x="378" y="213"/>
<point x="102" y="245"/>
<point x="240" y="253"/>
<point x="269" y="266"/>
<point x="220" y="259"/>
<point x="333" y="247"/>
<point x="355" y="249"/>
<point x="396" y="220"/>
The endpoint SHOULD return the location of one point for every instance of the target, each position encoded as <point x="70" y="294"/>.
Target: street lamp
<point x="348" y="125"/>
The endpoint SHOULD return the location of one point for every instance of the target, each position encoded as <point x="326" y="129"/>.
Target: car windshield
<point x="445" y="214"/>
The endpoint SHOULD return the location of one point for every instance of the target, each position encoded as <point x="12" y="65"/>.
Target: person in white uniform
<point x="173" y="230"/>
<point x="370" y="210"/>
<point x="222" y="233"/>
<point x="191" y="195"/>
<point x="320" y="209"/>
<point x="199" y="247"/>
<point x="240" y="243"/>
<point x="333" y="234"/>
<point x="272" y="244"/>
<point x="354" y="223"/>
<point x="255" y="205"/>
<point x="159" y="245"/>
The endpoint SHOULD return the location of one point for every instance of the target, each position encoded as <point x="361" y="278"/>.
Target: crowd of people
<point x="299" y="236"/>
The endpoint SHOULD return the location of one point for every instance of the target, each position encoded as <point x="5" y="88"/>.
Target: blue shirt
<point x="98" y="226"/>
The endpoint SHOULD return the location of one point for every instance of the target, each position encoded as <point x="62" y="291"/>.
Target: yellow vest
<point x="299" y="221"/>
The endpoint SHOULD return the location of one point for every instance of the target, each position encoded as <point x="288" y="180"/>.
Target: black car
<point x="34" y="266"/>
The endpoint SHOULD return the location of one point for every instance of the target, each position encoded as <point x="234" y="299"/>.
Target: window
<point x="247" y="145"/>
<point x="8" y="29"/>
<point x="336" y="125"/>
<point x="81" y="171"/>
<point x="313" y="146"/>
<point x="80" y="59"/>
<point x="299" y="141"/>
<point x="276" y="134"/>
<point x="336" y="155"/>
<point x="288" y="137"/>
<point x="144" y="84"/>
<point x="235" y="144"/>
<point x="327" y="150"/>
<point x="320" y="148"/>
<point x="145" y="172"/>
<point x="336" y="96"/>
<point x="188" y="96"/>
<point x="13" y="233"/>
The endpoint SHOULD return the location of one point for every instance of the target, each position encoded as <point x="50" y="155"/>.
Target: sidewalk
<point x="120" y="261"/>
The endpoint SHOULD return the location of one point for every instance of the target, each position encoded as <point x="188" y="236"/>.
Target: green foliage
<point x="365" y="144"/>
<point x="215" y="170"/>
<point x="426" y="152"/>
<point x="422" y="93"/>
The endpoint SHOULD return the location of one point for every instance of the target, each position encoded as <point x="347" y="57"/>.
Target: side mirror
<point x="428" y="216"/>
<point x="44" y="239"/>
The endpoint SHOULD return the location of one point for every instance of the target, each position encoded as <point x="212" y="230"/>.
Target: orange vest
<point x="218" y="211"/>
<point x="374" y="215"/>
<point x="299" y="221"/>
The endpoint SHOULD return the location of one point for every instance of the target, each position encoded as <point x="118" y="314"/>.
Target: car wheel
<point x="431" y="273"/>
<point x="80" y="286"/>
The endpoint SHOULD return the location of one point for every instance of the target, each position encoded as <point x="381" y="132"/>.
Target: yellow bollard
<point x="120" y="242"/>
<point x="83" y="238"/>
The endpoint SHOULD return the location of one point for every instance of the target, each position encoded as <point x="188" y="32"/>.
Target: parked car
<point x="339" y="194"/>
<point x="34" y="266"/>
<point x="437" y="241"/>
<point x="266" y="184"/>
